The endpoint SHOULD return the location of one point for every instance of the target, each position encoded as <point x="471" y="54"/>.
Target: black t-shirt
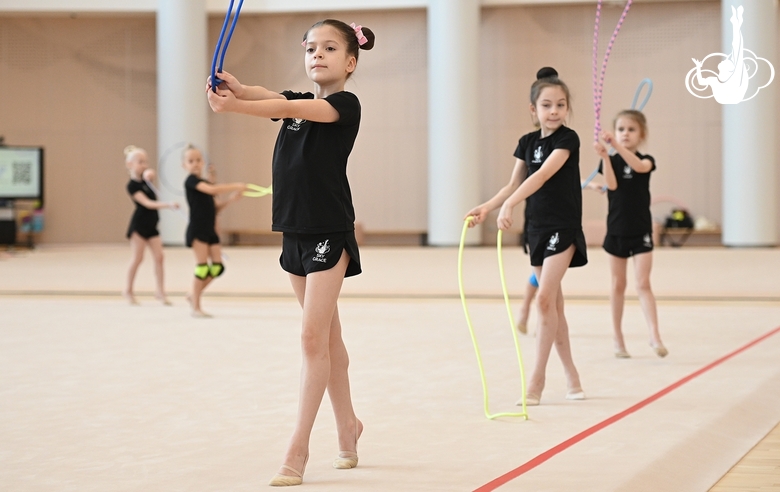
<point x="144" y="219"/>
<point x="629" y="204"/>
<point x="311" y="191"/>
<point x="558" y="203"/>
<point x="203" y="211"/>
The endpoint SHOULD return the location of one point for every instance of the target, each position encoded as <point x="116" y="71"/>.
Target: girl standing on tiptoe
<point x="142" y="231"/>
<point x="201" y="233"/>
<point x="629" y="223"/>
<point x="547" y="175"/>
<point x="312" y="207"/>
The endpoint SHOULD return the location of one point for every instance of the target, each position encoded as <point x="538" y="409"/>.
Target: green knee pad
<point x="202" y="271"/>
<point x="216" y="269"/>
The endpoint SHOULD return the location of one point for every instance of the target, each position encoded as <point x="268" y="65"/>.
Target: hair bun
<point x="546" y="73"/>
<point x="370" y="37"/>
<point x="130" y="149"/>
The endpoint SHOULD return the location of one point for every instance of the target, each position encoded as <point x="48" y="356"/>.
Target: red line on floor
<point x="538" y="460"/>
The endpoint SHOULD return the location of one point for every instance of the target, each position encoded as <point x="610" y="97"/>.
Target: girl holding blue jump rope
<point x="312" y="207"/>
<point x="629" y="223"/>
<point x="547" y="175"/>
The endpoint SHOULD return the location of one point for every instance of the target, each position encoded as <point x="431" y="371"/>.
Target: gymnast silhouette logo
<point x="554" y="240"/>
<point x="648" y="241"/>
<point x="321" y="250"/>
<point x="537" y="155"/>
<point x="732" y="82"/>
<point x="296" y="124"/>
<point x="627" y="172"/>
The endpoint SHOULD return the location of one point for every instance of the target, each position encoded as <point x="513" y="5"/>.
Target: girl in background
<point x="201" y="232"/>
<point x="629" y="223"/>
<point x="547" y="175"/>
<point x="142" y="230"/>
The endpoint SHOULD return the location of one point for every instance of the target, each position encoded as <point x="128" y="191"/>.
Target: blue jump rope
<point x="221" y="50"/>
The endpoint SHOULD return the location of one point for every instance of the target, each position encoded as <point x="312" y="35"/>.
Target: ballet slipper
<point x="349" y="459"/>
<point x="522" y="327"/>
<point x="296" y="478"/>
<point x="659" y="349"/>
<point x="575" y="394"/>
<point x="622" y="354"/>
<point x="531" y="400"/>
<point x="164" y="300"/>
<point x="200" y="314"/>
<point x="130" y="298"/>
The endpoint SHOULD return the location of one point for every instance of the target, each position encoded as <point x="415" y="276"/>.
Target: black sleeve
<point x="292" y="96"/>
<point x="651" y="160"/>
<point x="521" y="147"/>
<point x="133" y="186"/>
<point x="191" y="182"/>
<point x="348" y="107"/>
<point x="569" y="141"/>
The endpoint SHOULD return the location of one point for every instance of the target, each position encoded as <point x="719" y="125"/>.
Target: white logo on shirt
<point x="627" y="172"/>
<point x="648" y="241"/>
<point x="554" y="240"/>
<point x="296" y="124"/>
<point x="537" y="155"/>
<point x="322" y="249"/>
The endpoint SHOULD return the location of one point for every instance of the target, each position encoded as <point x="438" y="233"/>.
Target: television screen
<point x="21" y="173"/>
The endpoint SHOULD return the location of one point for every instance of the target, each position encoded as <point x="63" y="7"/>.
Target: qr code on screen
<point x="22" y="174"/>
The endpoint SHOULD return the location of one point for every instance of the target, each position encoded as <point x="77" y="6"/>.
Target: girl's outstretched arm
<point x="317" y="110"/>
<point x="480" y="212"/>
<point x="606" y="166"/>
<point x="221" y="204"/>
<point x="637" y="164"/>
<point x="531" y="185"/>
<point x="147" y="202"/>
<point x="216" y="189"/>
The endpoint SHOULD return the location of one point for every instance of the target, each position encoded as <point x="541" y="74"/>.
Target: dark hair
<point x="635" y="115"/>
<point x="548" y="77"/>
<point x="349" y="34"/>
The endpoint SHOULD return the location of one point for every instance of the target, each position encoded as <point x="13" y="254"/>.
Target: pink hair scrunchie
<point x="359" y="34"/>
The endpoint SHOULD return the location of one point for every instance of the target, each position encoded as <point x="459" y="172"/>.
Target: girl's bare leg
<point x="617" y="298"/>
<point x="550" y="276"/>
<point x="155" y="244"/>
<point x="201" y="251"/>
<point x="137" y="244"/>
<point x="643" y="264"/>
<point x="525" y="309"/>
<point x="563" y="347"/>
<point x="318" y="294"/>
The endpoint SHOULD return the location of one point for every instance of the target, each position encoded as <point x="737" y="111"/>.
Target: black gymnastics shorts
<point x="208" y="237"/>
<point x="303" y="254"/>
<point x="546" y="244"/>
<point x="625" y="246"/>
<point x="144" y="232"/>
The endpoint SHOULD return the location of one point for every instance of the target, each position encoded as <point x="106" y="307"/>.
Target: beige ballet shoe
<point x="622" y="354"/>
<point x="201" y="314"/>
<point x="660" y="350"/>
<point x="531" y="400"/>
<point x="575" y="394"/>
<point x="349" y="459"/>
<point x="130" y="298"/>
<point x="296" y="478"/>
<point x="164" y="300"/>
<point x="522" y="328"/>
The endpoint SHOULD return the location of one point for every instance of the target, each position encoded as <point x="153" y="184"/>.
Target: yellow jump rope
<point x="257" y="191"/>
<point x="524" y="413"/>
